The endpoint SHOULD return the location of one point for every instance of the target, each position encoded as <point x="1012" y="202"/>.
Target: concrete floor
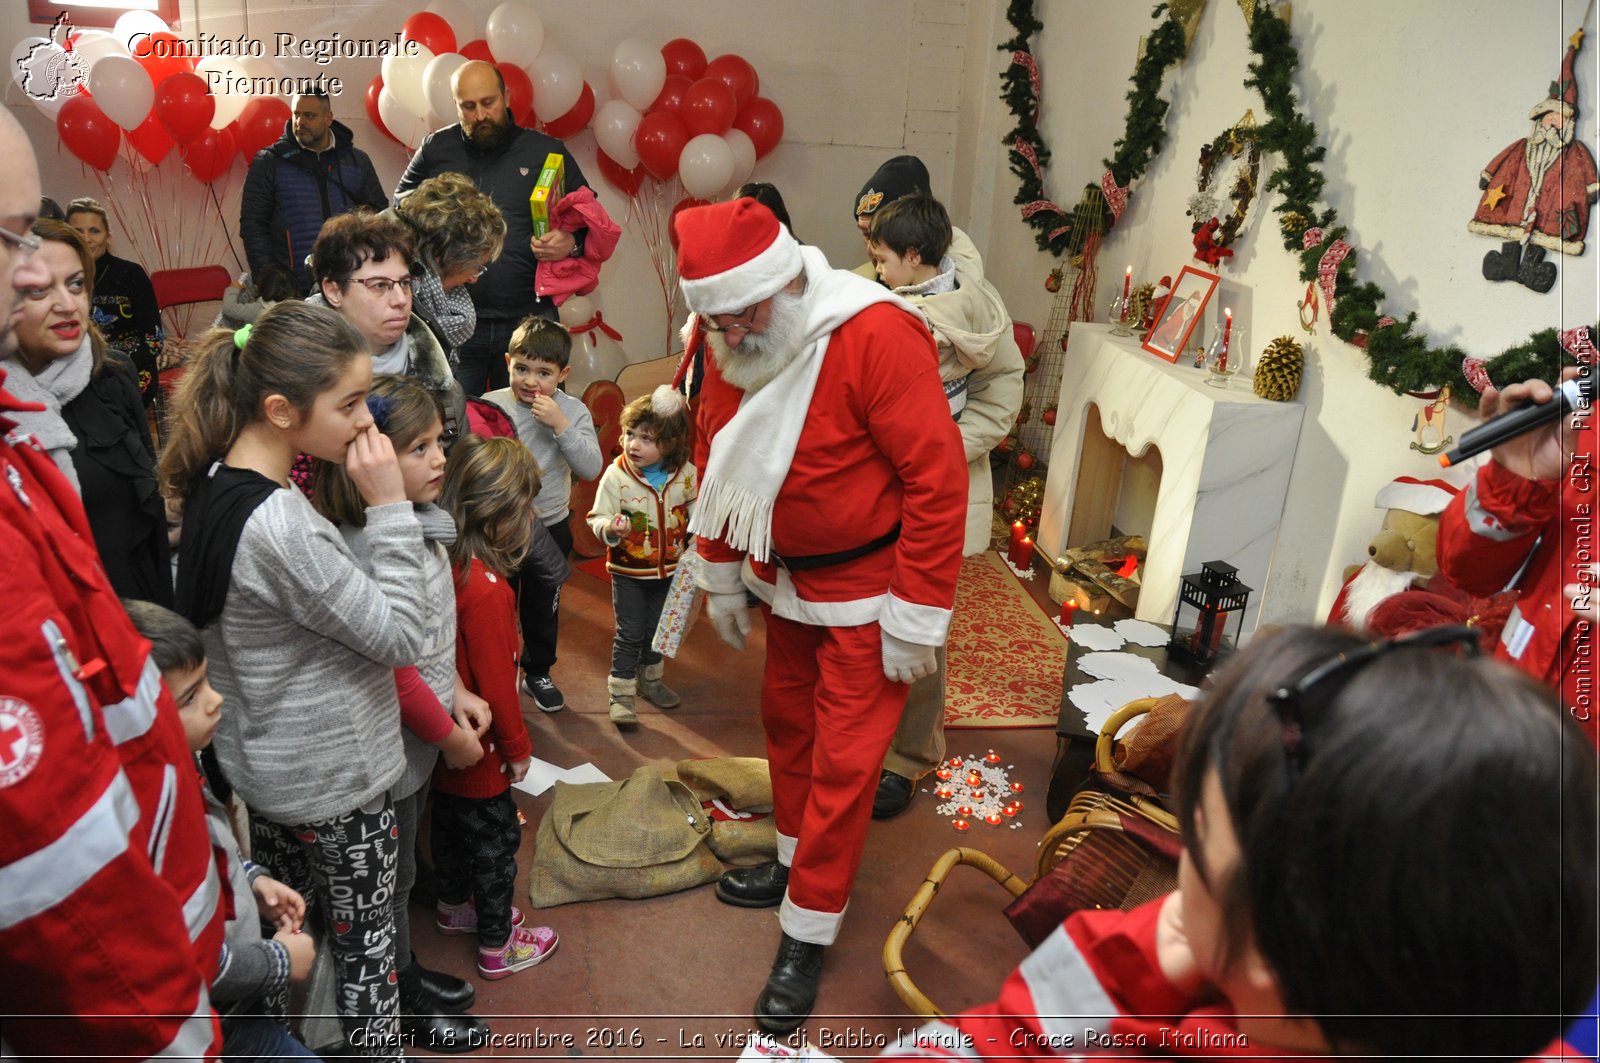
<point x="677" y="976"/>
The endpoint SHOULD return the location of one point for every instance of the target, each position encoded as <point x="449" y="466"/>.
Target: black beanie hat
<point x="899" y="177"/>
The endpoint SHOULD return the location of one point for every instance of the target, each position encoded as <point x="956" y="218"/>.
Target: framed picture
<point x="1178" y="316"/>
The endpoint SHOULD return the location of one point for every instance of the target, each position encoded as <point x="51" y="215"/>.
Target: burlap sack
<point x="745" y="785"/>
<point x="641" y="837"/>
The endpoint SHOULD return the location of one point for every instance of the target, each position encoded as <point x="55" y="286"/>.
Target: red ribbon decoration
<point x="1477" y="373"/>
<point x="1311" y="237"/>
<point x="1576" y="342"/>
<point x="1328" y="270"/>
<point x="1038" y="205"/>
<point x="1385" y="321"/>
<point x="1023" y="148"/>
<point x="1031" y="65"/>
<point x="596" y="322"/>
<point x="1116" y="195"/>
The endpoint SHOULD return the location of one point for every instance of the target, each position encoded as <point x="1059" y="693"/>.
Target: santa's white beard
<point x="1543" y="149"/>
<point x="760" y="357"/>
<point x="1370" y="586"/>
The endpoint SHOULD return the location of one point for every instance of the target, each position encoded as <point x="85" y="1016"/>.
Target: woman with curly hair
<point x="458" y="232"/>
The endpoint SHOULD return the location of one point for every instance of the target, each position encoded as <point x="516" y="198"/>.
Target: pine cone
<point x="1279" y="369"/>
<point x="1294" y="223"/>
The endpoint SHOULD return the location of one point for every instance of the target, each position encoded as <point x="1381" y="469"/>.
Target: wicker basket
<point x="1101" y="864"/>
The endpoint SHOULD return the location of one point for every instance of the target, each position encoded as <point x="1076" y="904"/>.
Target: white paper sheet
<point x="1142" y="632"/>
<point x="1095" y="637"/>
<point x="542" y="775"/>
<point x="1125" y="666"/>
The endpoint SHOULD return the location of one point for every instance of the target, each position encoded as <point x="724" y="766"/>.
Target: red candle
<point x="1227" y="330"/>
<point x="977" y="795"/>
<point x="960" y="824"/>
<point x="964" y="810"/>
<point x="1009" y="811"/>
<point x="1022" y="553"/>
<point x="1127" y="283"/>
<point x="944" y="793"/>
<point x="1018" y="530"/>
<point x="943" y="774"/>
<point x="955" y="762"/>
<point x="1068" y="607"/>
<point x="1016" y="788"/>
<point x="993" y="819"/>
<point x="1017" y="805"/>
<point x="993" y="757"/>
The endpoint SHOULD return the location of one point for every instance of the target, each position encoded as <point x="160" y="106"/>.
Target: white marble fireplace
<point x="1225" y="460"/>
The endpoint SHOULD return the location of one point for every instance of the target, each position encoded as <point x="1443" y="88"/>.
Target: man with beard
<point x="311" y="174"/>
<point x="111" y="910"/>
<point x="834" y="489"/>
<point x="503" y="160"/>
<point x="1537" y="192"/>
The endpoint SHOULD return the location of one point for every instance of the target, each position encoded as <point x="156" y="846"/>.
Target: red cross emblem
<point x="21" y="740"/>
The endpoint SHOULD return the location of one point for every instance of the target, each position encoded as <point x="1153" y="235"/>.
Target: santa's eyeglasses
<point x="742" y="322"/>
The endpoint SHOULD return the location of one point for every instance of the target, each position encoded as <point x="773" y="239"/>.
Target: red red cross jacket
<point x="111" y="902"/>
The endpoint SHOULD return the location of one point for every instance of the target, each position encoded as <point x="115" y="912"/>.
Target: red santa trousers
<point x="829" y="712"/>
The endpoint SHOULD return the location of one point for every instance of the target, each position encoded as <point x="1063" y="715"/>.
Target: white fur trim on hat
<point x="751" y="282"/>
<point x="1426" y="498"/>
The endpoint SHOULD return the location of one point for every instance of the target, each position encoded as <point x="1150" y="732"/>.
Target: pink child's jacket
<point x="566" y="277"/>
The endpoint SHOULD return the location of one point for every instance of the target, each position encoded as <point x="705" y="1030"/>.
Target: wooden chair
<point x="1108" y="866"/>
<point x="183" y="287"/>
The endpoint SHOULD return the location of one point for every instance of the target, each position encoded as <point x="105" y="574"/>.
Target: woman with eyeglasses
<point x="458" y="232"/>
<point x="124" y="304"/>
<point x="93" y="424"/>
<point x="1389" y="852"/>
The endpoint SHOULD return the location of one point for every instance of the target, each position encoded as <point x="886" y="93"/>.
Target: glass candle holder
<point x="1120" y="312"/>
<point x="1223" y="363"/>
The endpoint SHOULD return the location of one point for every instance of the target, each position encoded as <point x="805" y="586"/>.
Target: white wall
<point x="1411" y="99"/>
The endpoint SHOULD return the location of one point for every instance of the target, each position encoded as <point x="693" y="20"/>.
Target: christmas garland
<point x="1400" y="358"/>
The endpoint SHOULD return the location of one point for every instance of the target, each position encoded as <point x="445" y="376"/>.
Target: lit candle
<point x="1227" y="330"/>
<point x="1068" y="607"/>
<point x="993" y="819"/>
<point x="1016" y="788"/>
<point x="1017" y="805"/>
<point x="1018" y="530"/>
<point x="977" y="795"/>
<point x="960" y="825"/>
<point x="1022" y="555"/>
<point x="943" y="774"/>
<point x="973" y="778"/>
<point x="955" y="762"/>
<point x="993" y="757"/>
<point x="1127" y="283"/>
<point x="1009" y="811"/>
<point x="945" y="792"/>
<point x="964" y="810"/>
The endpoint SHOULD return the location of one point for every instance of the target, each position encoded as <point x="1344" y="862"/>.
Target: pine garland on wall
<point x="1399" y="357"/>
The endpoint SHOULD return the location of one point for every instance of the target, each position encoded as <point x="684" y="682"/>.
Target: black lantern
<point x="1207" y="600"/>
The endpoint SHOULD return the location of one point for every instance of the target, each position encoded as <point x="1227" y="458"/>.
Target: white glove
<point x="730" y="616"/>
<point x="906" y="662"/>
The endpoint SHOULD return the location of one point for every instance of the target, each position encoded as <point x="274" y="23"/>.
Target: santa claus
<point x="1537" y="192"/>
<point x="834" y="489"/>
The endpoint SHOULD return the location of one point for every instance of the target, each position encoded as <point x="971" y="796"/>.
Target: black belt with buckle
<point x="807" y="562"/>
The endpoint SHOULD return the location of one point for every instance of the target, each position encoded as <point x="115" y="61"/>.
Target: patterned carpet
<point x="1005" y="655"/>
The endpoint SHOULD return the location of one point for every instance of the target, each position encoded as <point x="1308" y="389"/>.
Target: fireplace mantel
<point x="1226" y="458"/>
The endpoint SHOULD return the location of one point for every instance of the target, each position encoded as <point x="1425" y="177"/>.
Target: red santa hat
<point x="733" y="255"/>
<point x="1427" y="498"/>
<point x="1563" y="93"/>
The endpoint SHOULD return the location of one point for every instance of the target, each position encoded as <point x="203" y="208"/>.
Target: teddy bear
<point x="1400" y="556"/>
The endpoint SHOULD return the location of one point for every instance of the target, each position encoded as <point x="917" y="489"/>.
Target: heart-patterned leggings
<point x="345" y="869"/>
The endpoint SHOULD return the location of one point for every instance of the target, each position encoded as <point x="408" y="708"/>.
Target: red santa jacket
<point x="878" y="449"/>
<point x="1498" y="524"/>
<point x="112" y="906"/>
<point x="486" y="660"/>
<point x="1093" y="989"/>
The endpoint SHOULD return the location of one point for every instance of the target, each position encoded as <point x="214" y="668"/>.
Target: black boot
<point x="1535" y="272"/>
<point x="791" y="987"/>
<point x="426" y="1023"/>
<point x="893" y="796"/>
<point x="1502" y="265"/>
<point x="761" y="886"/>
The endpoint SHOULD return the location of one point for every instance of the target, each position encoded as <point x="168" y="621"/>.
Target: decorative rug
<point x="594" y="566"/>
<point x="1005" y="656"/>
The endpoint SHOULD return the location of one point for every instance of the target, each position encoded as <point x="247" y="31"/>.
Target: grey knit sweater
<point x="305" y="652"/>
<point x="575" y="451"/>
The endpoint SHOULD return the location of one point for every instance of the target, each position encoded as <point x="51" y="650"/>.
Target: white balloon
<point x="595" y="356"/>
<point x="515" y="34"/>
<point x="614" y="125"/>
<point x="436" y="82"/>
<point x="705" y="165"/>
<point x="460" y="17"/>
<point x="93" y="44"/>
<point x="405" y="76"/>
<point x="744" y="157"/>
<point x="135" y="24"/>
<point x="578" y="310"/>
<point x="228" y="105"/>
<point x="557" y="84"/>
<point x="408" y="127"/>
<point x="122" y="89"/>
<point x="47" y="73"/>
<point x="638" y="71"/>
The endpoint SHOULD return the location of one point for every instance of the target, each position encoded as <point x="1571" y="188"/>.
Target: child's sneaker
<point x="544" y="693"/>
<point x="526" y="947"/>
<point x="463" y="918"/>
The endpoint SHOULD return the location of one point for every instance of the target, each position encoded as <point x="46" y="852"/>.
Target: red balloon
<point x="150" y="140"/>
<point x="627" y="182"/>
<point x="371" y="100"/>
<point x="708" y="107"/>
<point x="573" y="122"/>
<point x="671" y="97"/>
<point x="735" y="72"/>
<point x="684" y="57"/>
<point x="210" y="155"/>
<point x="519" y="93"/>
<point x="659" y="141"/>
<point x="762" y="122"/>
<point x="260" y="125"/>
<point x="478" y="49"/>
<point x="672" y="219"/>
<point x="184" y="106"/>
<point x="87" y="132"/>
<point x="429" y="30"/>
<point x="162" y="55"/>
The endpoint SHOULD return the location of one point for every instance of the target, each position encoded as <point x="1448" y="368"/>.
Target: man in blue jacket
<point x="312" y="173"/>
<point x="503" y="160"/>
